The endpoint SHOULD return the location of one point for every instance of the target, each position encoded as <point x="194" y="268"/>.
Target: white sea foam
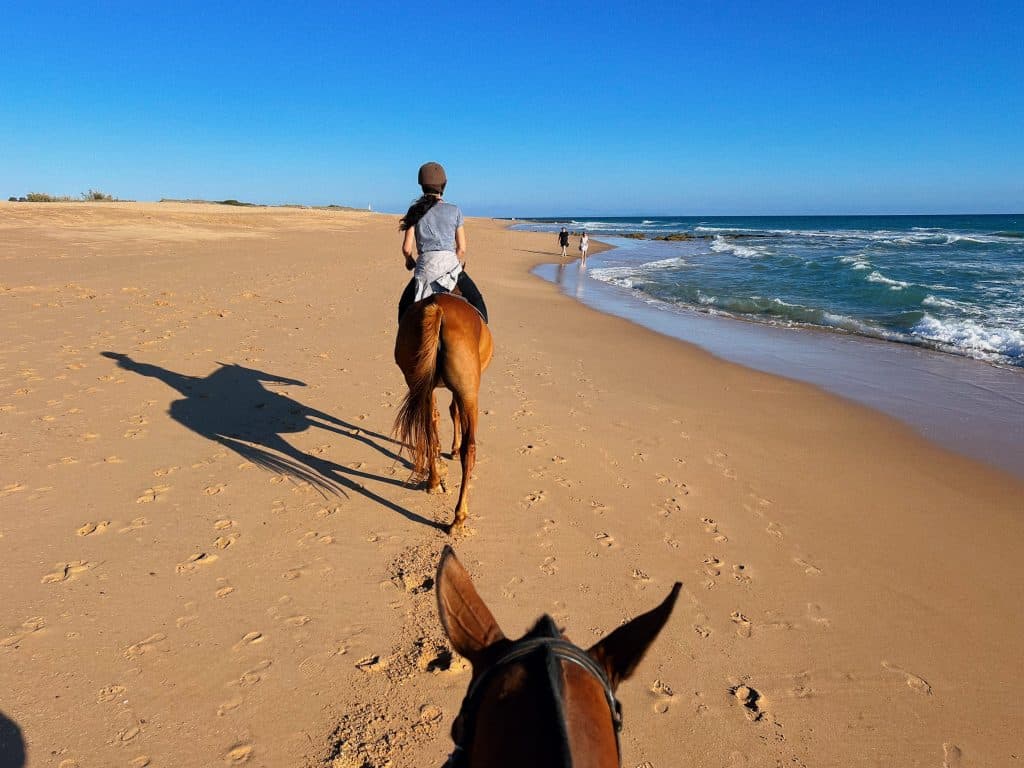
<point x="938" y="301"/>
<point x="613" y="273"/>
<point x="720" y="245"/>
<point x="856" y="261"/>
<point x="971" y="338"/>
<point x="894" y="285"/>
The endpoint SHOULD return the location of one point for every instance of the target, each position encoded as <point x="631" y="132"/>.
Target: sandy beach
<point x="211" y="555"/>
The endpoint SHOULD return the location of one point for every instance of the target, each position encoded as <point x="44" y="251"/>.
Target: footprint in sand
<point x="229" y="706"/>
<point x="249" y="638"/>
<point x="951" y="756"/>
<point x="183" y="621"/>
<point x="711" y="527"/>
<point x="702" y="630"/>
<point x="294" y="573"/>
<point x="369" y="663"/>
<point x="814" y="613"/>
<point x="605" y="540"/>
<point x="663" y="694"/>
<point x="529" y="449"/>
<point x="751" y="700"/>
<point x="129" y="733"/>
<point x="253" y="675"/>
<point x="88" y="529"/>
<point x="773" y="529"/>
<point x="915" y="683"/>
<point x="223" y="525"/>
<point x="223" y="542"/>
<point x="66" y="571"/>
<point x="28" y="627"/>
<point x="152" y="494"/>
<point x="548" y="566"/>
<point x="165" y="471"/>
<point x="739" y="574"/>
<point x="509" y="589"/>
<point x="12" y="488"/>
<point x="195" y="562"/>
<point x="758" y="506"/>
<point x="670" y="506"/>
<point x="801" y="686"/>
<point x="239" y="753"/>
<point x="809" y="568"/>
<point x="152" y="643"/>
<point x="134" y="525"/>
<point x="712" y="565"/>
<point x="213" y="490"/>
<point x="110" y="693"/>
<point x="743" y="626"/>
<point x="718" y="461"/>
<point x="532" y="499"/>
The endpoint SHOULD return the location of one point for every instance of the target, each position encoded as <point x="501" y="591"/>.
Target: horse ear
<point x="621" y="652"/>
<point x="466" y="620"/>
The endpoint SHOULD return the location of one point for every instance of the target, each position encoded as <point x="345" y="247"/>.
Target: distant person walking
<point x="584" y="245"/>
<point x="563" y="240"/>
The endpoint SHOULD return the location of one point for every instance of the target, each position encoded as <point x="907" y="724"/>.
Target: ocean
<point x="949" y="283"/>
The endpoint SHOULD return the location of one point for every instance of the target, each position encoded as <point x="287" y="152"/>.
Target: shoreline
<point x="213" y="555"/>
<point x="969" y="406"/>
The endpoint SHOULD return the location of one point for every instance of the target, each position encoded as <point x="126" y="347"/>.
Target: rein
<point x="554" y="647"/>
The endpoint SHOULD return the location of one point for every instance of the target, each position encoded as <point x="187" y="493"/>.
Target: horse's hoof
<point x="437" y="489"/>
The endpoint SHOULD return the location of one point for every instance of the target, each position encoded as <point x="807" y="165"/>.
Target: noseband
<point x="551" y="647"/>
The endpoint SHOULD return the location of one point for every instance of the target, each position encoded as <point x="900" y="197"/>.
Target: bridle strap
<point x="560" y="649"/>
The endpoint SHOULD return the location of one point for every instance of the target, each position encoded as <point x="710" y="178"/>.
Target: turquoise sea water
<point x="950" y="283"/>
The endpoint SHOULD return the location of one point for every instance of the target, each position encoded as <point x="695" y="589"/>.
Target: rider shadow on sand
<point x="231" y="406"/>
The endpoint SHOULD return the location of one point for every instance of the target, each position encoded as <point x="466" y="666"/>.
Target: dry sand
<point x="208" y="562"/>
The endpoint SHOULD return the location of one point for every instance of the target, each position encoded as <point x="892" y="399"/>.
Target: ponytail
<point x="417" y="210"/>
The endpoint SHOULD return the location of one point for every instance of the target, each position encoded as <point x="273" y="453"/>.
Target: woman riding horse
<point x="435" y="245"/>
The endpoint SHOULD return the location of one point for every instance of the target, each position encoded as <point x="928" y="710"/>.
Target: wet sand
<point x="212" y="557"/>
<point x="971" y="407"/>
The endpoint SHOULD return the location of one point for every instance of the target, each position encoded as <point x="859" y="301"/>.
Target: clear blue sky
<point x="534" y="109"/>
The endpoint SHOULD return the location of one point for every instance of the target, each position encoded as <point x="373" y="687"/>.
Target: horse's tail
<point x="415" y="424"/>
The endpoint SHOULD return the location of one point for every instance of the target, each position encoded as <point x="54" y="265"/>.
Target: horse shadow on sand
<point x="12" y="745"/>
<point x="232" y="406"/>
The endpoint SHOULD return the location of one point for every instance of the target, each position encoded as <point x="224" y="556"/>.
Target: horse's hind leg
<point x="434" y="449"/>
<point x="453" y="409"/>
<point x="467" y="453"/>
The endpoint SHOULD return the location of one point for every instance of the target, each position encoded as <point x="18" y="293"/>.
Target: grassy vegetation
<point x="92" y="196"/>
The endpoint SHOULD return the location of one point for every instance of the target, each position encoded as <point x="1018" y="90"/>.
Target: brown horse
<point x="538" y="701"/>
<point x="442" y="342"/>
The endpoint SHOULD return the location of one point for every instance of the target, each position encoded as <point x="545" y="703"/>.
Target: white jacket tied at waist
<point x="436" y="272"/>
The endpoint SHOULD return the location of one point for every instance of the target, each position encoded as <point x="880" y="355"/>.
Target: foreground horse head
<point x="539" y="701"/>
<point x="442" y="342"/>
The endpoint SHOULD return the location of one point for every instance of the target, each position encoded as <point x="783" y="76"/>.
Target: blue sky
<point x="703" y="108"/>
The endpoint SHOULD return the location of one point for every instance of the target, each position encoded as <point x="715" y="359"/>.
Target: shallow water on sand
<point x="969" y="406"/>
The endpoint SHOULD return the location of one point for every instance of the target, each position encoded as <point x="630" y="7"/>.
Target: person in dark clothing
<point x="434" y="245"/>
<point x="563" y="241"/>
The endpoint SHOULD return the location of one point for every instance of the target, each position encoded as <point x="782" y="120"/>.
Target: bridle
<point x="550" y="647"/>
